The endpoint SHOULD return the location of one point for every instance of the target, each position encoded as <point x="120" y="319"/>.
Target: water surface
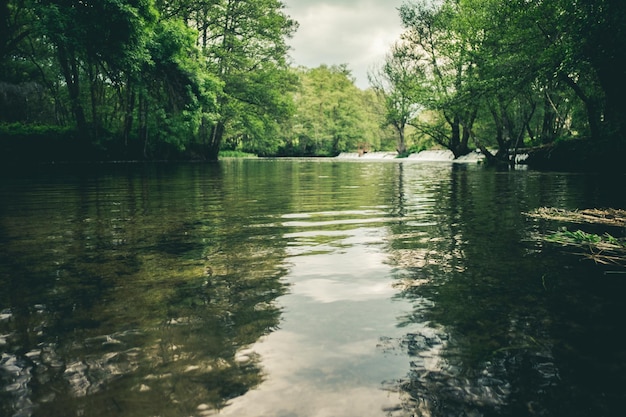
<point x="303" y="288"/>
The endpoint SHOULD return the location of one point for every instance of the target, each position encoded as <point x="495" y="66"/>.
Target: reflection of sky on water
<point x="332" y="290"/>
<point x="315" y="379"/>
<point x="328" y="358"/>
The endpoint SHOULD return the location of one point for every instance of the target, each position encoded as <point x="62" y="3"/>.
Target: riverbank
<point x="46" y="145"/>
<point x="578" y="155"/>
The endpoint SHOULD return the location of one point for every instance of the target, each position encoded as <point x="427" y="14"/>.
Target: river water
<point x="304" y="288"/>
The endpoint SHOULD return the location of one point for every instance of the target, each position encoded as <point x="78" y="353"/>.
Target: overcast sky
<point x="354" y="32"/>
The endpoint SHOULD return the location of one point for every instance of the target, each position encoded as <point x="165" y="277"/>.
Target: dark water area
<point x="304" y="288"/>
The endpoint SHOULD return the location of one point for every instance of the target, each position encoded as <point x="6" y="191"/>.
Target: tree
<point x="550" y="47"/>
<point x="133" y="78"/>
<point x="505" y="90"/>
<point x="134" y="81"/>
<point x="28" y="88"/>
<point x="15" y="27"/>
<point x="398" y="85"/>
<point x="330" y="114"/>
<point x="507" y="73"/>
<point x="176" y="92"/>
<point x="523" y="59"/>
<point x="594" y="33"/>
<point x="439" y="49"/>
<point x="95" y="44"/>
<point x="244" y="43"/>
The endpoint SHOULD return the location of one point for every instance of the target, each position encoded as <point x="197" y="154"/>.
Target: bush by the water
<point x="40" y="143"/>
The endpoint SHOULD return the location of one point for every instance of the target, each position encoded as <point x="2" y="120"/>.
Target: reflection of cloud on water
<point x="325" y="252"/>
<point x="330" y="290"/>
<point x="326" y="360"/>
<point x="331" y="266"/>
<point x="311" y="401"/>
<point x="311" y="380"/>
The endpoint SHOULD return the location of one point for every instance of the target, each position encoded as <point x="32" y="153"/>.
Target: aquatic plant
<point x="602" y="249"/>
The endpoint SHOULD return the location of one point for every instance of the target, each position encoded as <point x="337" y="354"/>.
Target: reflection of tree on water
<point x="487" y="345"/>
<point x="108" y="315"/>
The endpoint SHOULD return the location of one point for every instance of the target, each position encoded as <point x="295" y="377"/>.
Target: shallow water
<point x="303" y="288"/>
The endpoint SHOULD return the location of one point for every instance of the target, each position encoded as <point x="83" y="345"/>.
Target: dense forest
<point x="188" y="79"/>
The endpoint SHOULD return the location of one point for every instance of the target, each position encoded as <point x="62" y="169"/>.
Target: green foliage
<point x="236" y="154"/>
<point x="420" y="146"/>
<point x="21" y="131"/>
<point x="146" y="78"/>
<point x="20" y="143"/>
<point x="266" y="103"/>
<point x="155" y="78"/>
<point x="181" y="93"/>
<point x="578" y="237"/>
<point x="331" y="115"/>
<point x="602" y="249"/>
<point x="512" y="74"/>
<point x="438" y="51"/>
<point x="244" y="44"/>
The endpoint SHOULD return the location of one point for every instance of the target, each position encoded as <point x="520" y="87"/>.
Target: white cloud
<point x="354" y="32"/>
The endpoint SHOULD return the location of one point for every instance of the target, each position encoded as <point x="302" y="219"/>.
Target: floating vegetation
<point x="603" y="249"/>
<point x="609" y="217"/>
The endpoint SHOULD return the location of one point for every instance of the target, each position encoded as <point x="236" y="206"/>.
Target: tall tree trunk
<point x="613" y="81"/>
<point x="606" y="50"/>
<point x="129" y="106"/>
<point x="69" y="67"/>
<point x="401" y="145"/>
<point x="467" y="126"/>
<point x="592" y="107"/>
<point x="95" y="122"/>
<point x="549" y="118"/>
<point x="143" y="123"/>
<point x="458" y="144"/>
<point x="215" y="140"/>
